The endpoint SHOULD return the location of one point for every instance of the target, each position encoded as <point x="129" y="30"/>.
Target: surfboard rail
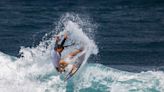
<point x="76" y="66"/>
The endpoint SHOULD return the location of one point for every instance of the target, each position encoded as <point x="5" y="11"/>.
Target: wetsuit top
<point x="55" y="55"/>
<point x="55" y="58"/>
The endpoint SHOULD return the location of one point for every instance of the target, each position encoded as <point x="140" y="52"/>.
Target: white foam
<point x="33" y="71"/>
<point x="105" y="79"/>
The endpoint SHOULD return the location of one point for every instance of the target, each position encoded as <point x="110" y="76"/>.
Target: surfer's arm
<point x="57" y="39"/>
<point x="65" y="37"/>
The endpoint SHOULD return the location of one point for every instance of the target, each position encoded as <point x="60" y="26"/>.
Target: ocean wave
<point x="34" y="72"/>
<point x="17" y="75"/>
<point x="99" y="78"/>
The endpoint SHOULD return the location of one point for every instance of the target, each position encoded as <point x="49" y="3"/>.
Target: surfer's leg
<point x="69" y="58"/>
<point x="72" y="54"/>
<point x="63" y="64"/>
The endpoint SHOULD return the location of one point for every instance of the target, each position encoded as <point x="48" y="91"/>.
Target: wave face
<point x="98" y="78"/>
<point x="38" y="75"/>
<point x="34" y="72"/>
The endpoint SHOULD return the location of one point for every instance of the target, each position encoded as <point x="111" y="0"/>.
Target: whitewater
<point x="33" y="70"/>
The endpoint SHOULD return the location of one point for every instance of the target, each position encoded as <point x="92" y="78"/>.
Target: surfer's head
<point x="59" y="48"/>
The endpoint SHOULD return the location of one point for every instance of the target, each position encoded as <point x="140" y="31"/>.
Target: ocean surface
<point x="125" y="37"/>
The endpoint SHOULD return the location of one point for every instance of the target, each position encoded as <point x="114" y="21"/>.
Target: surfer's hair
<point x="59" y="47"/>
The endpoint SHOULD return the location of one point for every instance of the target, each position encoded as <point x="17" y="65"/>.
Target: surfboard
<point x="76" y="66"/>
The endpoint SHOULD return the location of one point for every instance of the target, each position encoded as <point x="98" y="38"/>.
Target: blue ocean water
<point x="128" y="34"/>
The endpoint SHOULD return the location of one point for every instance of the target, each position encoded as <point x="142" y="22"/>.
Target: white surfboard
<point x="76" y="66"/>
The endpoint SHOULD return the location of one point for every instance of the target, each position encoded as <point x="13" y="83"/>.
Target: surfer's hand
<point x="65" y="36"/>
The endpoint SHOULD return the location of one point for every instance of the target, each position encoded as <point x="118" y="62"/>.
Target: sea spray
<point x="33" y="70"/>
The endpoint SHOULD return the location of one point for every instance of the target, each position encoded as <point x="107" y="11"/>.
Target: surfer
<point x="56" y="52"/>
<point x="61" y="64"/>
